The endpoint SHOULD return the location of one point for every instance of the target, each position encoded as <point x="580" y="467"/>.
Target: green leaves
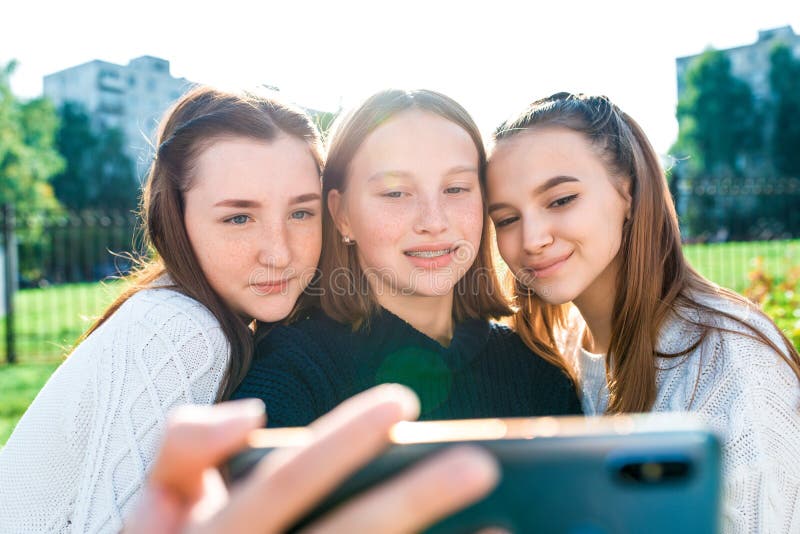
<point x="28" y="158"/>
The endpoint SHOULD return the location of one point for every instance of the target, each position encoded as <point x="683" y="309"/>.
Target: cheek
<point x="509" y="246"/>
<point x="378" y="223"/>
<point x="306" y="244"/>
<point x="466" y="218"/>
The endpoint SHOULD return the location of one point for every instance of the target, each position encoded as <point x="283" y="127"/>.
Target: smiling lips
<point x="433" y="256"/>
<point x="548" y="267"/>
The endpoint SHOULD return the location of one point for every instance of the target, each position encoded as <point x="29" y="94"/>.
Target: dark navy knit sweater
<point x="305" y="369"/>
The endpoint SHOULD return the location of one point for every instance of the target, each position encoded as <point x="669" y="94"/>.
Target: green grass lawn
<point x="19" y="384"/>
<point x="728" y="264"/>
<point x="49" y="320"/>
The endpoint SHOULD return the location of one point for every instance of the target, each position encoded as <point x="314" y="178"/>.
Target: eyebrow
<point x="243" y="203"/>
<point x="549" y="184"/>
<point x="403" y="174"/>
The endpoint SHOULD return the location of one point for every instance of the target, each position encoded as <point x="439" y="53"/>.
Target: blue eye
<point x="393" y="194"/>
<point x="238" y="220"/>
<point x="561" y="202"/>
<point x="455" y="190"/>
<point x="301" y="215"/>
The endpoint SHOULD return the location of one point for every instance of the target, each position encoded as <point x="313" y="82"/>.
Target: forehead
<point x="415" y="138"/>
<point x="529" y="159"/>
<point x="253" y="166"/>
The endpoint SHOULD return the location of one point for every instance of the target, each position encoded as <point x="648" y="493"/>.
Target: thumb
<point x="200" y="437"/>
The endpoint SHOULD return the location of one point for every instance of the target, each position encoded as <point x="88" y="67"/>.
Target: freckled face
<point x="413" y="204"/>
<point x="558" y="214"/>
<point x="252" y="214"/>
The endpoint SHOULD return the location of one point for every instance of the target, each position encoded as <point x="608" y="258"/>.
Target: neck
<point x="596" y="305"/>
<point x="433" y="316"/>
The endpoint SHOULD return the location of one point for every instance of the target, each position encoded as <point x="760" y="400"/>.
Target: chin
<point x="273" y="314"/>
<point x="552" y="295"/>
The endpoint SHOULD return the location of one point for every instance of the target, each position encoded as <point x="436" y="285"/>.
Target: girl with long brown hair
<point x="231" y="209"/>
<point x="585" y="221"/>
<point x="407" y="286"/>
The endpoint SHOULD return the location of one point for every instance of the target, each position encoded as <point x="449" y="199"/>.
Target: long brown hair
<point x="197" y="120"/>
<point x="654" y="279"/>
<point x="478" y="294"/>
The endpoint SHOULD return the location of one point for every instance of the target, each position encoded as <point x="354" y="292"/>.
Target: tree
<point x="784" y="80"/>
<point x="28" y="157"/>
<point x="98" y="173"/>
<point x="719" y="125"/>
<point x="720" y="142"/>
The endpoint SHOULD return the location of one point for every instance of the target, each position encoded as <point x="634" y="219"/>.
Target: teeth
<point x="428" y="253"/>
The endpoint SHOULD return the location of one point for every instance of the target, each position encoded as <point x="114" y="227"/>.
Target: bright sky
<point x="493" y="57"/>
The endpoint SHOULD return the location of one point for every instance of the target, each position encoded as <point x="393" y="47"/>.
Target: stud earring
<point x="347" y="241"/>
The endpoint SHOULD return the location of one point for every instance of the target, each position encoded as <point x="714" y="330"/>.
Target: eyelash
<point x="450" y="190"/>
<point x="563" y="201"/>
<point x="231" y="220"/>
<point x="506" y="222"/>
<point x="558" y="203"/>
<point x="306" y="215"/>
<point x="460" y="190"/>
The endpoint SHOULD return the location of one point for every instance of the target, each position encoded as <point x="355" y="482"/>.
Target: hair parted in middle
<point x="198" y="119"/>
<point x="345" y="294"/>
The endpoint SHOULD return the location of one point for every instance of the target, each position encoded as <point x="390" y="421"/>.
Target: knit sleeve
<point x="78" y="458"/>
<point x="290" y="374"/>
<point x="756" y="402"/>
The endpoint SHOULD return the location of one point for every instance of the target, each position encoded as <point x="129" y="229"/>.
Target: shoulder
<point x="505" y="341"/>
<point x="736" y="344"/>
<point x="502" y="333"/>
<point x="166" y="304"/>
<point x="314" y="327"/>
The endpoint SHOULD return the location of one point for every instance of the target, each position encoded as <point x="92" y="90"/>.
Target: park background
<point x="716" y="85"/>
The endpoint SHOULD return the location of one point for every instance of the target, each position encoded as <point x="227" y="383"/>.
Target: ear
<point x="336" y="207"/>
<point x="626" y="189"/>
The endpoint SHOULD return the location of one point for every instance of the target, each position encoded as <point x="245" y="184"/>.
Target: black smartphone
<point x="653" y="473"/>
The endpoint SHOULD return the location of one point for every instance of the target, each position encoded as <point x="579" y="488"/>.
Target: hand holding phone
<point x="644" y="473"/>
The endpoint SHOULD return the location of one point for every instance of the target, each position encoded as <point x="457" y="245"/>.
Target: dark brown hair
<point x="198" y="119"/>
<point x="654" y="279"/>
<point x="478" y="294"/>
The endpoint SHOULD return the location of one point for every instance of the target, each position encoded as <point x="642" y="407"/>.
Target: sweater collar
<point x="469" y="337"/>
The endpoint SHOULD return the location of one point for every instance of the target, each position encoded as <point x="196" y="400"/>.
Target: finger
<point x="200" y="437"/>
<point x="157" y="512"/>
<point x="291" y="482"/>
<point x="429" y="491"/>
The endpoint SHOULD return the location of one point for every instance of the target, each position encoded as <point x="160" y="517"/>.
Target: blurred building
<point x="749" y="62"/>
<point x="131" y="98"/>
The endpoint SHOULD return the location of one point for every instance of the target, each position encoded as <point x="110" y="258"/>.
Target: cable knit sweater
<point x="301" y="371"/>
<point x="78" y="457"/>
<point x="743" y="390"/>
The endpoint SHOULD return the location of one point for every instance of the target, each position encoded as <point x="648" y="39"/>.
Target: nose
<point x="274" y="251"/>
<point x="536" y="234"/>
<point x="431" y="217"/>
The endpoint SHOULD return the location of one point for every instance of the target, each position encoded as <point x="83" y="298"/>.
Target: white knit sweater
<point x="743" y="390"/>
<point x="78" y="457"/>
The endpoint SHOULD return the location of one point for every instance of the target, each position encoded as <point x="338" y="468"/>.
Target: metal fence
<point x="59" y="275"/>
<point x="53" y="265"/>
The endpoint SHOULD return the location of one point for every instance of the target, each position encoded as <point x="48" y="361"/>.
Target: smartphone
<point x="654" y="473"/>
